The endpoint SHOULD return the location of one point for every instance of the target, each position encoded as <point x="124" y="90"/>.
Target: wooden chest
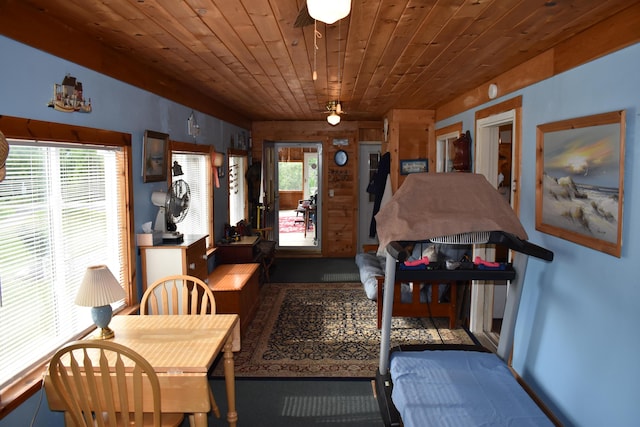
<point x="237" y="290"/>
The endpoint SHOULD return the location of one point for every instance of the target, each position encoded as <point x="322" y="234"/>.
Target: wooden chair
<point x="180" y="294"/>
<point x="101" y="383"/>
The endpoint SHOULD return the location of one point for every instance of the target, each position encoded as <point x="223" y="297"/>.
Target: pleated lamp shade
<point x="99" y="287"/>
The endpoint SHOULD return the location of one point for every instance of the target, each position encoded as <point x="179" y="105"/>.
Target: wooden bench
<point x="236" y="288"/>
<point x="436" y="307"/>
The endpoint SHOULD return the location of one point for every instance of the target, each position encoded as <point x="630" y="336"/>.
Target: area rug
<point x="325" y="330"/>
<point x="288" y="224"/>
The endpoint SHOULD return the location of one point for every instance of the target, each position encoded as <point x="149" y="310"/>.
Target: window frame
<point x="20" y="128"/>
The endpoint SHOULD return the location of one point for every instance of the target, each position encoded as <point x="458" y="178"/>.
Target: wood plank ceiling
<point x="250" y="59"/>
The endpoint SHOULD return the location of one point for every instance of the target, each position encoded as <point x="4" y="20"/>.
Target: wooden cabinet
<point x="188" y="257"/>
<point x="243" y="251"/>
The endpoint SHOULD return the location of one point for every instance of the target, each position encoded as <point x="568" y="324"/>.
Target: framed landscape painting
<point x="154" y="155"/>
<point x="580" y="180"/>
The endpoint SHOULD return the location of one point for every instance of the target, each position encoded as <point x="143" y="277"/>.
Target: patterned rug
<point x="288" y="224"/>
<point x="324" y="330"/>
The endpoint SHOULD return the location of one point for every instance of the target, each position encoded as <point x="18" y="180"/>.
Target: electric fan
<point x="172" y="208"/>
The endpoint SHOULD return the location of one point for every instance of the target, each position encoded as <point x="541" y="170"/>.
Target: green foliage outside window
<point x="290" y="176"/>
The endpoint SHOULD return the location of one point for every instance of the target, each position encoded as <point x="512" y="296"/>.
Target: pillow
<point x="370" y="266"/>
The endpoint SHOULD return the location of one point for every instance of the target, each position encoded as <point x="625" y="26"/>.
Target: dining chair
<point x="180" y="294"/>
<point x="101" y="383"/>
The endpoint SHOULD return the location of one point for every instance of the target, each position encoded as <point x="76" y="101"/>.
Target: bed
<point x="459" y="385"/>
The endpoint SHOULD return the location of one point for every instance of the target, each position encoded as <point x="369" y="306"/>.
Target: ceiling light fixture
<point x="328" y="11"/>
<point x="333" y="118"/>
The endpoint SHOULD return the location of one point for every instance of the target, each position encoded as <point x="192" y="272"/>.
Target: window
<point x="60" y="208"/>
<point x="290" y="176"/>
<point x="196" y="167"/>
<point x="238" y="209"/>
<point x="64" y="206"/>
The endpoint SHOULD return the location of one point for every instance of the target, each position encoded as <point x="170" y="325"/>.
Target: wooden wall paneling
<point x="289" y="199"/>
<point x="411" y="136"/>
<point x="339" y="213"/>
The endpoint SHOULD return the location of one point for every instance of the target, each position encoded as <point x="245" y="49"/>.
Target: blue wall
<point x="27" y="77"/>
<point x="577" y="332"/>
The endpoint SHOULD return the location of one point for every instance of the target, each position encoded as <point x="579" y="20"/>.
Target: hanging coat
<point x="377" y="186"/>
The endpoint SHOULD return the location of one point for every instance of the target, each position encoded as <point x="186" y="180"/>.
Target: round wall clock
<point x="341" y="158"/>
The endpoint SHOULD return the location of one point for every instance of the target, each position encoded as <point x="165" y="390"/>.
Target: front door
<point x="282" y="217"/>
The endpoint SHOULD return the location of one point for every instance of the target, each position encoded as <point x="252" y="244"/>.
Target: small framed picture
<point x="155" y="152"/>
<point x="414" y="166"/>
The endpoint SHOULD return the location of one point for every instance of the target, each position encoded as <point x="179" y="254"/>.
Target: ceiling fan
<point x="334" y="109"/>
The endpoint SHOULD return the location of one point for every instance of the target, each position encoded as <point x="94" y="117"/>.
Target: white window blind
<point x="195" y="167"/>
<point x="60" y="212"/>
<point x="237" y="186"/>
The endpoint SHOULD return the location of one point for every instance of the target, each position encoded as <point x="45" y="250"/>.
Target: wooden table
<point x="181" y="349"/>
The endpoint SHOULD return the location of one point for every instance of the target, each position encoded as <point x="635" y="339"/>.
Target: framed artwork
<point x="579" y="180"/>
<point x="414" y="166"/>
<point x="155" y="151"/>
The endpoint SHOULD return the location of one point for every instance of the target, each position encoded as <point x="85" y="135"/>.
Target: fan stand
<point x="169" y="233"/>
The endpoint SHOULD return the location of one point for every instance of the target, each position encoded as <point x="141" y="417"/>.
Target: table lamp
<point x="99" y="288"/>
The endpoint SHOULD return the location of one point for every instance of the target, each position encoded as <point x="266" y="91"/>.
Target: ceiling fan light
<point x="333" y="119"/>
<point x="338" y="107"/>
<point x="328" y="11"/>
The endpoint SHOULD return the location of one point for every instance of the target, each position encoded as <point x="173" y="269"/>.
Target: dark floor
<point x="302" y="402"/>
<point x="314" y="270"/>
<point x="299" y="403"/>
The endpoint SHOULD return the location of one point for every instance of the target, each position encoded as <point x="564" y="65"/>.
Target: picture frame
<point x="155" y="153"/>
<point x="414" y="166"/>
<point x="580" y="180"/>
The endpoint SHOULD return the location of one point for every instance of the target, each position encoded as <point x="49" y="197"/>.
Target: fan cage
<point x="468" y="238"/>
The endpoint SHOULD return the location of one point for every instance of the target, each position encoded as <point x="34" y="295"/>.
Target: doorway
<point x="292" y="194"/>
<point x="497" y="158"/>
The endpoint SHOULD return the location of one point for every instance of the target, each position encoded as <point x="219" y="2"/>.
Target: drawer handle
<point x="204" y="256"/>
<point x="192" y="266"/>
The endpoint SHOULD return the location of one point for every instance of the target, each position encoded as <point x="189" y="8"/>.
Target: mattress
<point x="459" y="388"/>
